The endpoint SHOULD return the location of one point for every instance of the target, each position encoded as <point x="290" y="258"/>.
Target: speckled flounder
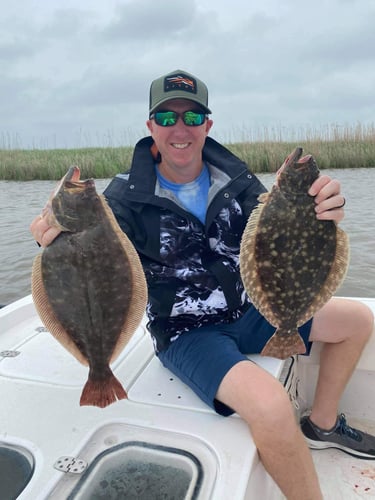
<point x="291" y="263"/>
<point x="88" y="285"/>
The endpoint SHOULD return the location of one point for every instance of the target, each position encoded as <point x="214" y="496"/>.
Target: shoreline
<point x="106" y="162"/>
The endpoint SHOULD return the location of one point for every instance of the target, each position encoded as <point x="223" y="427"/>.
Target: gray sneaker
<point x="341" y="436"/>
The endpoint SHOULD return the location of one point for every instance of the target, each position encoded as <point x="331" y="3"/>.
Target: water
<point x="15" y="472"/>
<point x="138" y="480"/>
<point x="20" y="202"/>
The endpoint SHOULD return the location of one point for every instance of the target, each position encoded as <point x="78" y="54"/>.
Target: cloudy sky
<point x="76" y="73"/>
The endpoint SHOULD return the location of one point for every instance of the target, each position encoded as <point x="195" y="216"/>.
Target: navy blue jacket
<point x="192" y="270"/>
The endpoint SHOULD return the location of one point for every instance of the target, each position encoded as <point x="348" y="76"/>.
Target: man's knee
<point x="341" y="319"/>
<point x="273" y="410"/>
<point x="258" y="397"/>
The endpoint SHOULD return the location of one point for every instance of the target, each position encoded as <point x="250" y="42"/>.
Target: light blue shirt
<point x="192" y="195"/>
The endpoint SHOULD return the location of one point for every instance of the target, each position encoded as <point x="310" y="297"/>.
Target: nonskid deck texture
<point x="343" y="477"/>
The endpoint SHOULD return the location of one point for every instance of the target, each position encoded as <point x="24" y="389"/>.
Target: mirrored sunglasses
<point x="169" y="118"/>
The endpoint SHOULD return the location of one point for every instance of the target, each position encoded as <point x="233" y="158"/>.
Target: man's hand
<point x="43" y="233"/>
<point x="329" y="201"/>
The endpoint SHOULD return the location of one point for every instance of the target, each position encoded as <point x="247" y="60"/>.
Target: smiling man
<point x="179" y="129"/>
<point x="179" y="126"/>
<point x="184" y="205"/>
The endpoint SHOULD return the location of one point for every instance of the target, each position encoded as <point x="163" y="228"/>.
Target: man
<point x="184" y="205"/>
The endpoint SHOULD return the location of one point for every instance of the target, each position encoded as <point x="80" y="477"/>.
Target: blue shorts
<point x="203" y="356"/>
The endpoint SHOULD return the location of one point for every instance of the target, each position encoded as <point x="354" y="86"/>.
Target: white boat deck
<point x="40" y="389"/>
<point x="343" y="477"/>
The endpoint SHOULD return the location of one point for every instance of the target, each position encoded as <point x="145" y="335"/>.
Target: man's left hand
<point x="329" y="201"/>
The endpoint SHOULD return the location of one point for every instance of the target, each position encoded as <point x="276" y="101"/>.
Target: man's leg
<point x="263" y="403"/>
<point x="344" y="326"/>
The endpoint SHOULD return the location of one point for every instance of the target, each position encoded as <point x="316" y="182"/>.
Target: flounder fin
<point x="341" y="263"/>
<point x="138" y="303"/>
<point x="248" y="265"/>
<point x="262" y="198"/>
<point x="283" y="346"/>
<point x="335" y="278"/>
<point x="47" y="314"/>
<point x="102" y="393"/>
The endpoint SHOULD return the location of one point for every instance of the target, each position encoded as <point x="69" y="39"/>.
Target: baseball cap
<point x="178" y="85"/>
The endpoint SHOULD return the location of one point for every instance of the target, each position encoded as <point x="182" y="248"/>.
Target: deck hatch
<point x="16" y="470"/>
<point x="141" y="470"/>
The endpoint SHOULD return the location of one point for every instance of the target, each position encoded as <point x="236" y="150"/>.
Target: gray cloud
<point x="147" y="20"/>
<point x="71" y="74"/>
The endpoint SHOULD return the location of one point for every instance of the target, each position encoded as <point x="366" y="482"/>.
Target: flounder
<point x="88" y="285"/>
<point x="291" y="263"/>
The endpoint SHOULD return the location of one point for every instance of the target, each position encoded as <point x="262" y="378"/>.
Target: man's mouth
<point x="179" y="145"/>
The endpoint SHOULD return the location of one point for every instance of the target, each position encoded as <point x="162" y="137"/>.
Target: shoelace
<point x="344" y="429"/>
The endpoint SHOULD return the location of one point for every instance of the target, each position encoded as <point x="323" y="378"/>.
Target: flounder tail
<point x="282" y="345"/>
<point x="102" y="393"/>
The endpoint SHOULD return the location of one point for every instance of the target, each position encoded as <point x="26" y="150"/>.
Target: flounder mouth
<point x="305" y="159"/>
<point x="302" y="162"/>
<point x="73" y="174"/>
<point x="291" y="160"/>
<point x="296" y="161"/>
<point x="72" y="180"/>
<point x="79" y="185"/>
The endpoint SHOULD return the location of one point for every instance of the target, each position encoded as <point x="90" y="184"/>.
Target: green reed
<point x="333" y="147"/>
<point x="267" y="157"/>
<point x="52" y="164"/>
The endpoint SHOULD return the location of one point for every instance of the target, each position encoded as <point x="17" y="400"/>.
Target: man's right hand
<point x="43" y="233"/>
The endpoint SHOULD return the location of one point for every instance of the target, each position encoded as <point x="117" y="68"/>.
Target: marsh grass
<point x="267" y="157"/>
<point x="333" y="147"/>
<point x="52" y="164"/>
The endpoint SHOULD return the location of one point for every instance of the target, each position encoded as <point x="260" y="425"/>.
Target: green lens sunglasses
<point x="169" y="118"/>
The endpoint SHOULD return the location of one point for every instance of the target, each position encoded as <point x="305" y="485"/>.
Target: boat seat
<point x="156" y="385"/>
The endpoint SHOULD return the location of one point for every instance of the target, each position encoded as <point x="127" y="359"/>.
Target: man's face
<point x="180" y="145"/>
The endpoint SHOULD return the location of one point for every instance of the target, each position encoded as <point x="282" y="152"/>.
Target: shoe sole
<point x="322" y="445"/>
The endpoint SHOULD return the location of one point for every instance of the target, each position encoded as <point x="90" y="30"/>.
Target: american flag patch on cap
<point x="179" y="81"/>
